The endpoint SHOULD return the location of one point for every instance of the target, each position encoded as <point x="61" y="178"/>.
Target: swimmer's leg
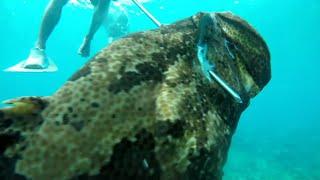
<point x="37" y="58"/>
<point x="50" y="20"/>
<point x="100" y="12"/>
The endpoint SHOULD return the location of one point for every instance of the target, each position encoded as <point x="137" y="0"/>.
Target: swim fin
<point x="36" y="62"/>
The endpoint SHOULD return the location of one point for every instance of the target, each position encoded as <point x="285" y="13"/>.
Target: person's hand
<point x="84" y="49"/>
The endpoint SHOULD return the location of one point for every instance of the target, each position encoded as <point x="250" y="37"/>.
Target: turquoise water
<point x="278" y="135"/>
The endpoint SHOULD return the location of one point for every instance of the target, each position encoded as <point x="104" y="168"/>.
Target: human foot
<point x="84" y="49"/>
<point x="37" y="59"/>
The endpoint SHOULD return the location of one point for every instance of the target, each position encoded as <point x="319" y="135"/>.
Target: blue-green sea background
<point x="278" y="135"/>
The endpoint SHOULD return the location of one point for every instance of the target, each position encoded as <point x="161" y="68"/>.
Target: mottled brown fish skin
<point x="142" y="108"/>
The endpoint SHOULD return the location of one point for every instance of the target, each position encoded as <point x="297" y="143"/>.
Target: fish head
<point x="249" y="48"/>
<point x="234" y="37"/>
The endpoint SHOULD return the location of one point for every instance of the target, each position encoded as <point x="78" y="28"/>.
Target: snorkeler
<point x="38" y="59"/>
<point x="116" y="25"/>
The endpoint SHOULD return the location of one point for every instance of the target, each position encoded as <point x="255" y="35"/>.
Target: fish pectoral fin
<point x="21" y="114"/>
<point x="24" y="106"/>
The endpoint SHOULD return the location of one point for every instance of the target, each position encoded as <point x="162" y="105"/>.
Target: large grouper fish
<point x="143" y="108"/>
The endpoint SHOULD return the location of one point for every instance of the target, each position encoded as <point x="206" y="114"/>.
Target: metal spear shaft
<point x="147" y="13"/>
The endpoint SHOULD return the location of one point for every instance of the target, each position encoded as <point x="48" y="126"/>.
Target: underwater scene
<point x="159" y="89"/>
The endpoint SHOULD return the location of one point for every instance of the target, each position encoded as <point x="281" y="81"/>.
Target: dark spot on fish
<point x="7" y="140"/>
<point x="206" y="98"/>
<point x="175" y="50"/>
<point x="40" y="121"/>
<point x="70" y="109"/>
<point x="78" y="125"/>
<point x="42" y="103"/>
<point x="32" y="114"/>
<point x="128" y="80"/>
<point x="21" y="118"/>
<point x="128" y="161"/>
<point x="146" y="72"/>
<point x="162" y="62"/>
<point x="7" y="164"/>
<point x="7" y="169"/>
<point x="84" y="71"/>
<point x="202" y="165"/>
<point x="95" y="105"/>
<point x="158" y="56"/>
<point x="175" y="129"/>
<point x="34" y="99"/>
<point x="23" y="147"/>
<point x="65" y="119"/>
<point x="1" y="114"/>
<point x="6" y="123"/>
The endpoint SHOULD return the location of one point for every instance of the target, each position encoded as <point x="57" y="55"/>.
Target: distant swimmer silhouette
<point x="116" y="25"/>
<point x="37" y="60"/>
